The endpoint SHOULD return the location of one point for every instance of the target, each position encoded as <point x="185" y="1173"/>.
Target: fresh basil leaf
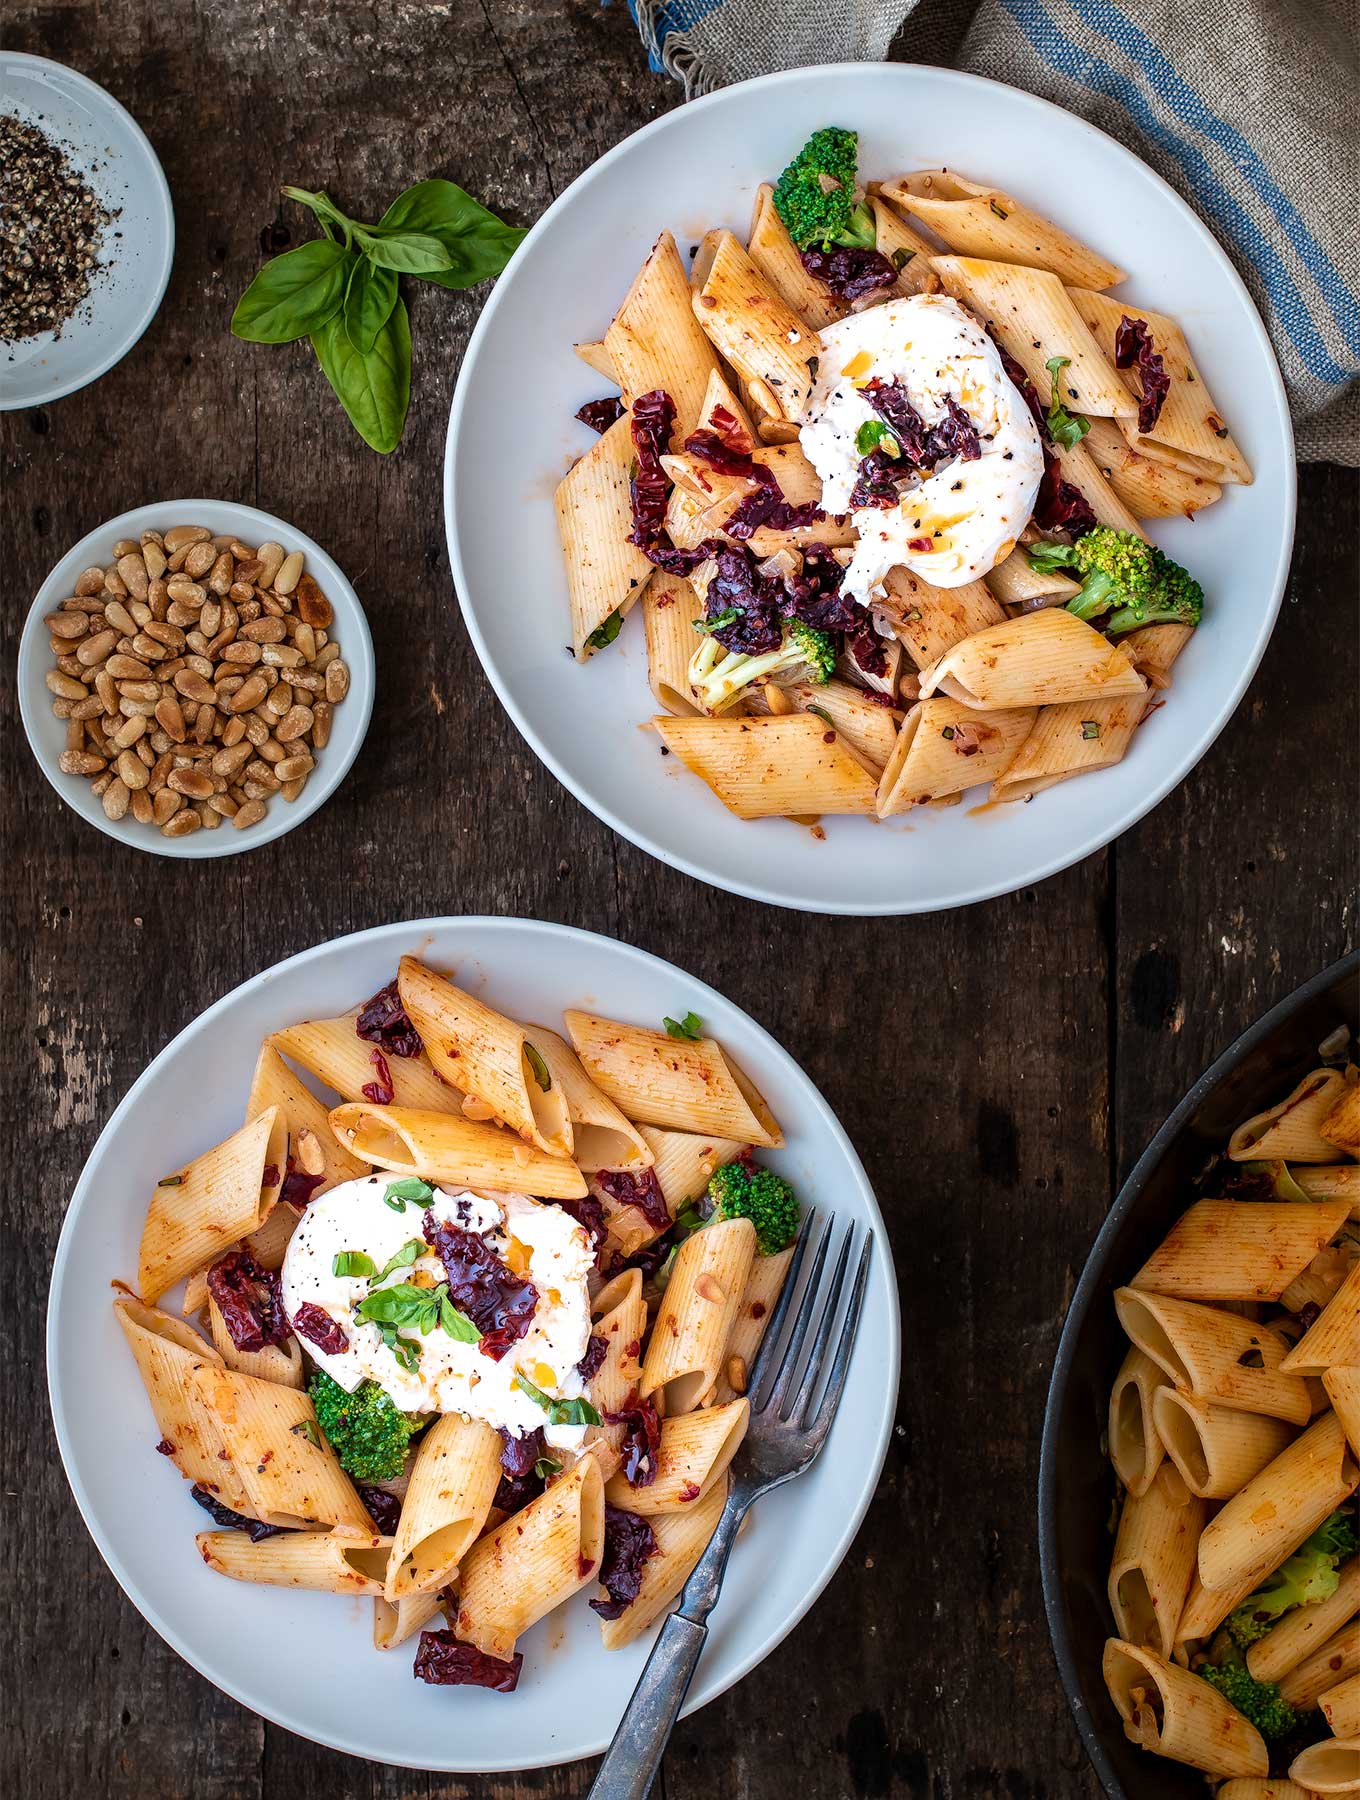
<point x="307" y="1428"/>
<point x="1064" y="428"/>
<point x="606" y="633"/>
<point x="901" y="257"/>
<point x="539" y="1067"/>
<point x="294" y="295"/>
<point x="1047" y="557"/>
<point x="369" y="299"/>
<point x="719" y="622"/>
<point x="406" y="1350"/>
<point x="479" y="244"/>
<point x="408" y="252"/>
<point x="375" y="390"/>
<point x="354" y="1262"/>
<point x="545" y="1466"/>
<point x="873" y="434"/>
<point x="691" y="1027"/>
<point x="409" y="1252"/>
<point x="560" y="1412"/>
<point x="408" y="1187"/>
<point x="688" y="1220"/>
<point x="457" y="1324"/>
<point x="402" y="1304"/>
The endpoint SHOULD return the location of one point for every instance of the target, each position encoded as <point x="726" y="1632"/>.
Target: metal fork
<point x="789" y="1425"/>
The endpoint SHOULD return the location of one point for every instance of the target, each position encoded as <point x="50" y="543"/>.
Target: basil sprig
<point x="560" y="1412"/>
<point x="540" y="1069"/>
<point x="1064" y="428"/>
<point x="691" y="1027"/>
<point x="353" y="1262"/>
<point x="872" y="435"/>
<point x="409" y="1187"/>
<point x="341" y="292"/>
<point x="422" y="1308"/>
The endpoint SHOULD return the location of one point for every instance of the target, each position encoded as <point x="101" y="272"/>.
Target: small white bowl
<point x="47" y="733"/>
<point x="108" y="147"/>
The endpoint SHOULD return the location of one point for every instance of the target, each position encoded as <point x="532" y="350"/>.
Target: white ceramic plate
<point x="47" y="733"/>
<point x="108" y="147"/>
<point x="512" y="436"/>
<point x="333" y="1686"/>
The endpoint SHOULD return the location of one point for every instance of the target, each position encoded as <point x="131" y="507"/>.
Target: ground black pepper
<point x="50" y="225"/>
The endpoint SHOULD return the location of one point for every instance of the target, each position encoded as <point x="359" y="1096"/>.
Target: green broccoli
<point x="815" y="196"/>
<point x="1307" y="1576"/>
<point x="1126" y="578"/>
<point x="719" y="676"/>
<point x="743" y="1190"/>
<point x="367" y="1430"/>
<point x="1260" y="1702"/>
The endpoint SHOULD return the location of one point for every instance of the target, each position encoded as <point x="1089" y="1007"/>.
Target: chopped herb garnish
<point x="457" y="1324"/>
<point x="307" y="1428"/>
<point x="948" y="732"/>
<point x="900" y="257"/>
<point x="1222" y="433"/>
<point x="914" y="616"/>
<point x="813" y="364"/>
<point x="720" y="621"/>
<point x="1000" y="211"/>
<point x="411" y="1188"/>
<point x="420" y="1307"/>
<point x="545" y="1467"/>
<point x="405" y="1350"/>
<point x="688" y="1220"/>
<point x="1064" y="428"/>
<point x="873" y="434"/>
<point x="691" y="1026"/>
<point x="823" y="715"/>
<point x="606" y="633"/>
<point x="410" y="1250"/>
<point x="171" y="1181"/>
<point x="538" y="1066"/>
<point x="1089" y="728"/>
<point x="354" y="1262"/>
<point x="560" y="1412"/>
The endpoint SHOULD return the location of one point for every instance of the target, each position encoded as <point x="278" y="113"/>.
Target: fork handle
<point x="632" y="1760"/>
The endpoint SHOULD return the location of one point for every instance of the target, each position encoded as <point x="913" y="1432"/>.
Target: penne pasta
<point x="333" y="1051"/>
<point x="1173" y="1713"/>
<point x="1331" y="1766"/>
<point x="1342" y="1124"/>
<point x="980" y="220"/>
<point x="775" y="255"/>
<point x="605" y="573"/>
<point x="1303" y="1629"/>
<point x="686" y="1084"/>
<point x="1015" y="582"/>
<point x="276" y="1085"/>
<point x="1149" y="489"/>
<point x="686" y="1351"/>
<point x="1259" y="1787"/>
<point x="1341" y="1707"/>
<point x="1077" y="465"/>
<point x="908" y="252"/>
<point x="1154" y="1561"/>
<point x="619" y="1315"/>
<point x="1332" y="1662"/>
<point x="1044" y="659"/>
<point x="695" y="1450"/>
<point x="654" y="341"/>
<point x="1292" y="1130"/>
<point x="1333" y="1339"/>
<point x="1342" y="1387"/>
<point x="670" y="607"/>
<point x="488" y="1055"/>
<point x="683" y="1161"/>
<point x="453" y="1482"/>
<point x="791" y="767"/>
<point x="945" y="747"/>
<point x="602" y="1138"/>
<point x="1278" y="1508"/>
<point x="1135" y="1437"/>
<point x="595" y="356"/>
<point x="681" y="1539"/>
<point x="333" y="1562"/>
<point x="1202" y="1350"/>
<point x="1073" y="739"/>
<point x="1216" y="1448"/>
<point x="393" y="1625"/>
<point x="748" y="322"/>
<point x="167" y="1352"/>
<point x="1223" y="1250"/>
<point x="703" y="500"/>
<point x="1152" y="649"/>
<point x="447" y="1147"/>
<point x="764" y="1285"/>
<point x="870" y="729"/>
<point x="928" y="620"/>
<point x="204" y="1208"/>
<point x="274" y="1363"/>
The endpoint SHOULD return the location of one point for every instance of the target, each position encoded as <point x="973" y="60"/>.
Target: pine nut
<point x="75" y="624"/>
<point x="115" y="798"/>
<point x="128" y="733"/>
<point x="143" y="807"/>
<point x="250" y="812"/>
<point x="221" y="575"/>
<point x="170" y="716"/>
<point x="248" y="695"/>
<point x="194" y="687"/>
<point x="337" y="681"/>
<point x="80" y="762"/>
<point x="114" y="584"/>
<point x="120" y="618"/>
<point x="96" y="648"/>
<point x="90" y="581"/>
<point x="166" y="804"/>
<point x="185" y="822"/>
<point x="321" y="724"/>
<point x="291" y="789"/>
<point x="132" y="770"/>
<point x="270" y="557"/>
<point x="133" y="570"/>
<point x="180" y="537"/>
<point x="127" y="668"/>
<point x="262" y="775"/>
<point x="64" y="685"/>
<point x="295" y="723"/>
<point x="290" y="573"/>
<point x="191" y="782"/>
<point x="154" y="558"/>
<point x="199" y="560"/>
<point x="293" y="768"/>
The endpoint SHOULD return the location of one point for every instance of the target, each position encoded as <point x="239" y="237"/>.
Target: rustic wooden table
<point x="999" y="1068"/>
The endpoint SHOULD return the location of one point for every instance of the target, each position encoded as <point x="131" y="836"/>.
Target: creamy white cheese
<point x="542" y="1243"/>
<point x="971" y="512"/>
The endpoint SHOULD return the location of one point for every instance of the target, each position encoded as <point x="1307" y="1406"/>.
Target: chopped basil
<point x="1090" y="729"/>
<point x="410" y="1187"/>
<point x="691" y="1026"/>
<point x="545" y="1467"/>
<point x="560" y="1412"/>
<point x="307" y="1428"/>
<point x="720" y="621"/>
<point x="873" y="434"/>
<point x="457" y="1324"/>
<point x="405" y="1350"/>
<point x="409" y="1252"/>
<point x="948" y="732"/>
<point x="1000" y="211"/>
<point x="1222" y="433"/>
<point x="420" y="1307"/>
<point x="606" y="633"/>
<point x="171" y="1181"/>
<point x="823" y="715"/>
<point x="539" y="1067"/>
<point x="689" y="1219"/>
<point x="354" y="1262"/>
<point x="901" y="257"/>
<point x="1064" y="428"/>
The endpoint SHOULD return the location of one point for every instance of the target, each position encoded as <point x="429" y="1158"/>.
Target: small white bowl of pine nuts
<point x="196" y="678"/>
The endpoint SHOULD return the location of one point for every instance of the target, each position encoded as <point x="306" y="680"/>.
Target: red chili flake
<point x="758" y="1309"/>
<point x="445" y="1662"/>
<point x="381" y="1091"/>
<point x="584" y="1564"/>
<point x="319" y="1328"/>
<point x="920" y="544"/>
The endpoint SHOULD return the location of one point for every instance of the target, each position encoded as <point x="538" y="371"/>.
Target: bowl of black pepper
<point x="87" y="231"/>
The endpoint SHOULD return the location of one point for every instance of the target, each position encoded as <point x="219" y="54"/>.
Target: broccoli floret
<point x="815" y="196"/>
<point x="743" y="1190"/>
<point x="366" y="1429"/>
<point x="719" y="676"/>
<point x="1260" y="1702"/>
<point x="1127" y="581"/>
<point x="1305" y="1577"/>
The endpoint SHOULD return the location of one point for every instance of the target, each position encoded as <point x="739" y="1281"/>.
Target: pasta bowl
<point x="339" y="1691"/>
<point x="697" y="169"/>
<point x="1076" y="1482"/>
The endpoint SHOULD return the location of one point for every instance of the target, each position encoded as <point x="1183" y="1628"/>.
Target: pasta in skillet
<point x="1234" y="1431"/>
<point x="879" y="477"/>
<point x="467" y="1349"/>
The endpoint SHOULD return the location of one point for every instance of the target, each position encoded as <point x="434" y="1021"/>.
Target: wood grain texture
<point x="998" y="1068"/>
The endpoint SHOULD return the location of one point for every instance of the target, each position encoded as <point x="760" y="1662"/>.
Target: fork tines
<point x="785" y="1382"/>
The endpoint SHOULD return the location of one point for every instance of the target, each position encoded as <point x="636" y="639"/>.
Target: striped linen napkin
<point x="1249" y="108"/>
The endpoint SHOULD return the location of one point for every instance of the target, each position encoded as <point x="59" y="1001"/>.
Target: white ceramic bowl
<point x="512" y="436"/>
<point x="109" y="148"/>
<point x="47" y="733"/>
<point x="333" y="1686"/>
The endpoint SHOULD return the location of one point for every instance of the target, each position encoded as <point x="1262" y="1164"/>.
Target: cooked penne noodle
<point x="764" y="1285"/>
<point x="1014" y="581"/>
<point x="670" y="607"/>
<point x="1154" y="1561"/>
<point x="792" y="767"/>
<point x="1333" y="1339"/>
<point x="775" y="255"/>
<point x="928" y="620"/>
<point x="1341" y="1182"/>
<point x="703" y="500"/>
<point x="1150" y="489"/>
<point x="870" y="729"/>
<point x="654" y="342"/>
<point x="1173" y="1713"/>
<point x="605" y="573"/>
<point x="681" y="1539"/>
<point x="1303" y="1629"/>
<point x="1035" y="321"/>
<point x="685" y="1084"/>
<point x="1073" y="739"/>
<point x="1043" y="659"/>
<point x="979" y="220"/>
<point x="1329" y="1767"/>
<point x="1292" y="1130"/>
<point x="1077" y="465"/>
<point x="1278" y="1508"/>
<point x="1330" y="1663"/>
<point x="393" y="1625"/>
<point x="1342" y="1124"/>
<point x="596" y="357"/>
<point x="695" y="1450"/>
<point x="289" y="1472"/>
<point x="276" y="1362"/>
<point x="683" y="1161"/>
<point x="1188" y="422"/>
<point x="1342" y="1387"/>
<point x="1216" y="1448"/>
<point x="333" y="1562"/>
<point x="453" y="1482"/>
<point x="1201" y="1349"/>
<point x="1260" y="1787"/>
<point x="1205" y="1611"/>
<point x="204" y="1208"/>
<point x="749" y="323"/>
<point x="1341" y="1707"/>
<point x="602" y="1138"/>
<point x="1223" y="1250"/>
<point x="945" y="747"/>
<point x="1135" y="1439"/>
<point x="686" y="1350"/>
<point x="167" y="1352"/>
<point x="333" y="1050"/>
<point x="486" y="1054"/>
<point x="443" y="1147"/>
<point x="268" y="1244"/>
<point x="275" y="1084"/>
<point x="908" y="252"/>
<point x="538" y="1558"/>
<point x="619" y="1315"/>
<point x="1152" y="649"/>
